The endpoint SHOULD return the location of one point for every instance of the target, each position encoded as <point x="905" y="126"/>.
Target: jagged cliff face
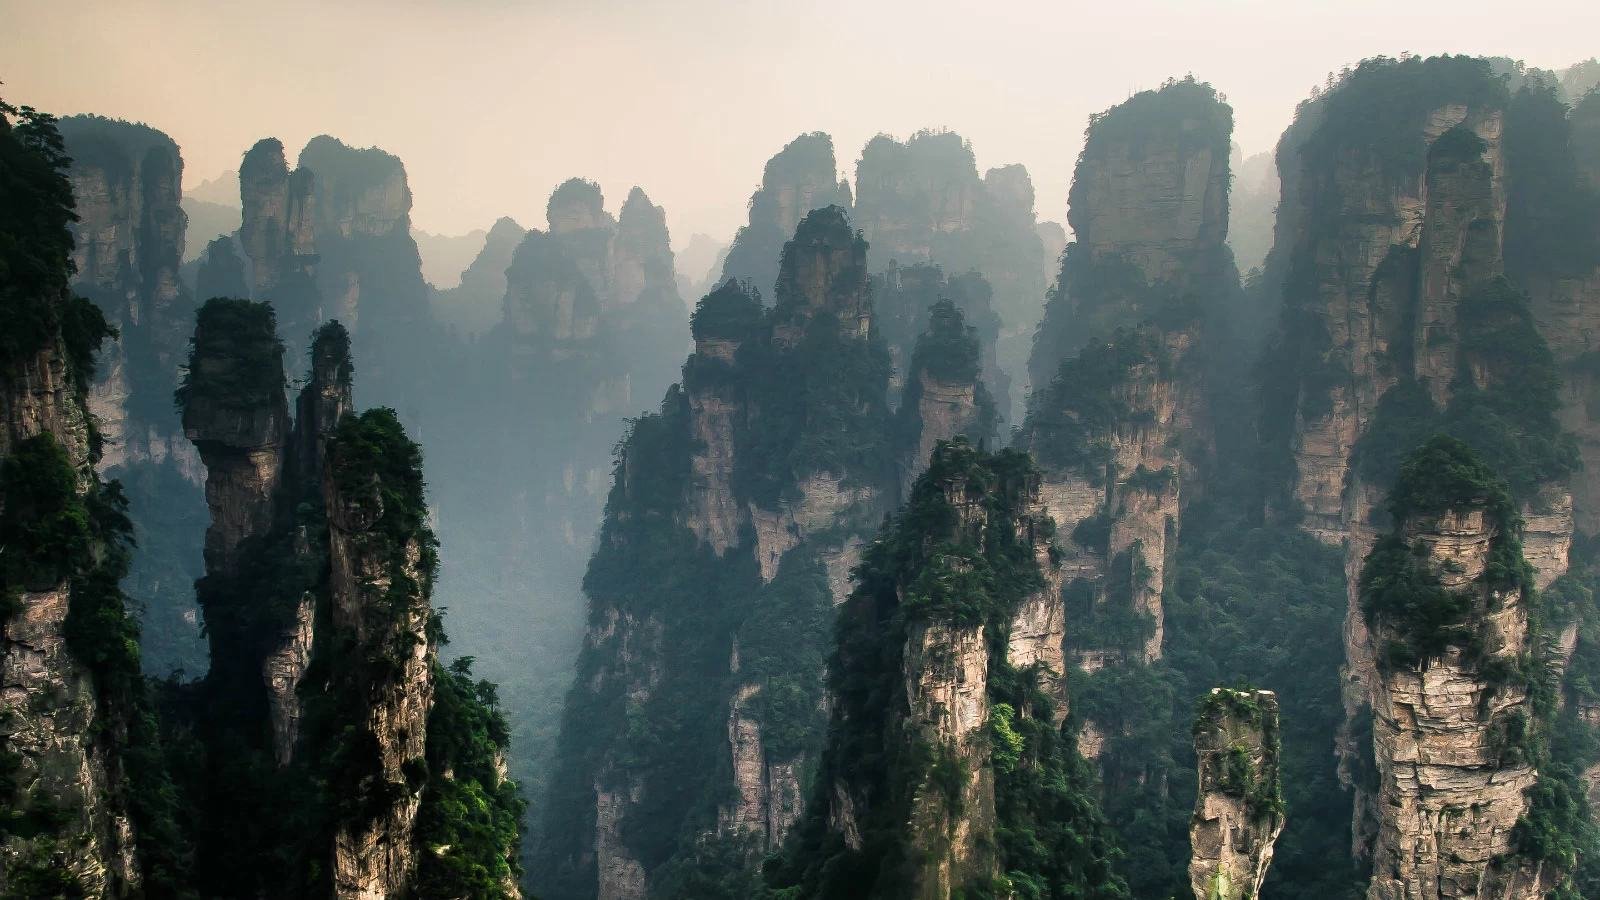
<point x="128" y="243"/>
<point x="379" y="587"/>
<point x="1238" y="810"/>
<point x="1149" y="216"/>
<point x="1389" y="253"/>
<point x="1449" y="727"/>
<point x="1103" y="435"/>
<point x="924" y="786"/>
<point x="66" y="824"/>
<point x="277" y="230"/>
<point x="53" y="725"/>
<point x="320" y="571"/>
<point x="762" y="518"/>
<point x="912" y="197"/>
<point x="800" y="178"/>
<point x="1121" y="416"/>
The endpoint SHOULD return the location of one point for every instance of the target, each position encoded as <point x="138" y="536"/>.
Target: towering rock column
<point x="1377" y="345"/>
<point x="382" y="561"/>
<point x="235" y="413"/>
<point x="128" y="245"/>
<point x="945" y="394"/>
<point x="933" y="748"/>
<point x="1238" y="811"/>
<point x="1448" y="608"/>
<point x="725" y="319"/>
<point x="1120" y="418"/>
<point x="277" y="231"/>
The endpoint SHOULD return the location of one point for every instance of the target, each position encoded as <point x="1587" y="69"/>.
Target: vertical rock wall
<point x="1238" y="809"/>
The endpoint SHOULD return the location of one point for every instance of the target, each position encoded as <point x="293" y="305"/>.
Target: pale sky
<point x="491" y="103"/>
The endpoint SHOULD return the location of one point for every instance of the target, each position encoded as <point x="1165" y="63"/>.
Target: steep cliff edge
<point x="128" y="243"/>
<point x="85" y="808"/>
<point x="801" y="177"/>
<point x="320" y="733"/>
<point x="943" y="733"/>
<point x="1450" y="604"/>
<point x="1399" y="322"/>
<point x="1120" y="416"/>
<point x="1238" y="809"/>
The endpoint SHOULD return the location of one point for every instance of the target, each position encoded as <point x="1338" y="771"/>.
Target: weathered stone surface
<point x="946" y="673"/>
<point x="1449" y="793"/>
<point x="50" y="713"/>
<point x="1237" y="811"/>
<point x="376" y="856"/>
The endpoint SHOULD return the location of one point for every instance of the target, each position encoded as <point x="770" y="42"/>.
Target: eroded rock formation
<point x="1238" y="810"/>
<point x="1399" y="321"/>
<point x="921" y="202"/>
<point x="769" y="512"/>
<point x="924" y="784"/>
<point x="1451" y="721"/>
<point x="66" y="708"/>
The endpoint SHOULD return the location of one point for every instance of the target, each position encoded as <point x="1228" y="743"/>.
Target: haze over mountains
<point x="1147" y="514"/>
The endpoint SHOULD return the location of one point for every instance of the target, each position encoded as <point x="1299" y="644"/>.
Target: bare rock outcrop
<point x="1449" y="728"/>
<point x="1238" y="811"/>
<point x="379" y="600"/>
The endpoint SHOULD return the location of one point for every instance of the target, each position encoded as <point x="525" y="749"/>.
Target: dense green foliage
<point x="1375" y="111"/>
<point x="947" y="352"/>
<point x="1510" y="421"/>
<point x="935" y="565"/>
<point x="61" y="526"/>
<point x="235" y="357"/>
<point x="468" y="823"/>
<point x="1070" y="420"/>
<point x="822" y="397"/>
<point x="35" y="244"/>
<point x="805" y="167"/>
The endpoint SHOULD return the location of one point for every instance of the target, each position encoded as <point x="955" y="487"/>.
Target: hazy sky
<point x="491" y="104"/>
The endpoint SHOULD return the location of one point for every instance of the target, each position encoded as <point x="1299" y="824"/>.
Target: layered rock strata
<point x="1238" y="810"/>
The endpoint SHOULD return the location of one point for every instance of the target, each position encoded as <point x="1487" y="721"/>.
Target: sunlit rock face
<point x="802" y="177"/>
<point x="1238" y="810"/>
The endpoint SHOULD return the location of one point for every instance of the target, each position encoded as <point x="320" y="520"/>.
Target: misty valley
<point x="1236" y="537"/>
